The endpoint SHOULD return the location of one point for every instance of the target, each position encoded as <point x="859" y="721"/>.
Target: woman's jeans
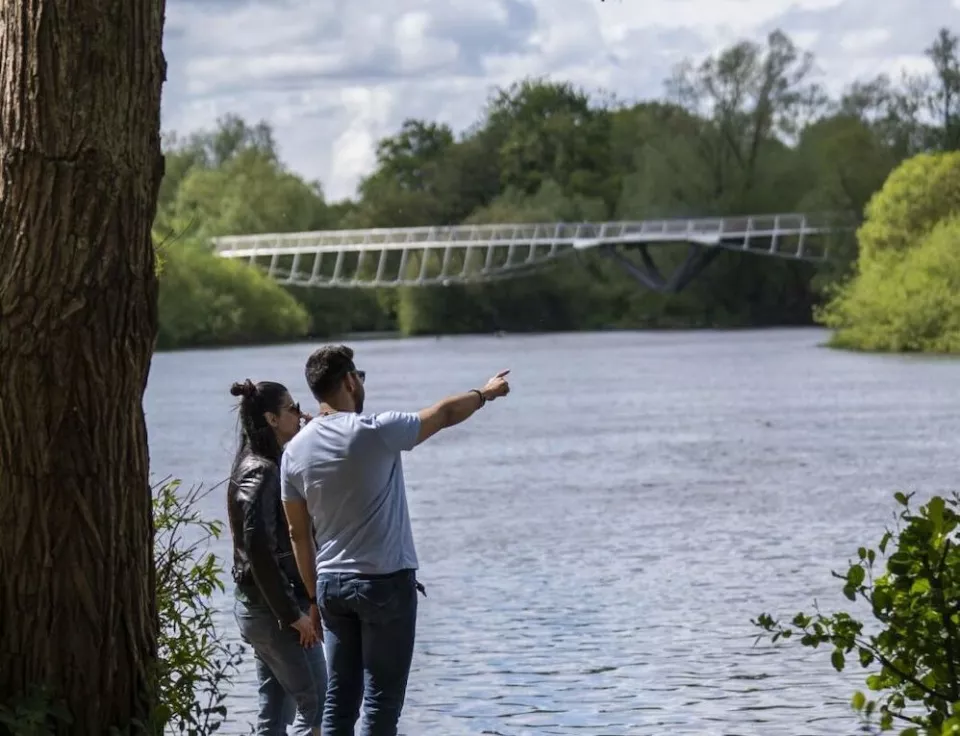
<point x="291" y="678"/>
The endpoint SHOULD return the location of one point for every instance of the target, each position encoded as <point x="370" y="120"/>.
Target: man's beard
<point x="358" y="397"/>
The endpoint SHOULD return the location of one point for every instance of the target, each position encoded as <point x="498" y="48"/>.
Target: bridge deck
<point x="389" y="257"/>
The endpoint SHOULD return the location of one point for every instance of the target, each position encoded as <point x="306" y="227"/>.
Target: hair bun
<point x="243" y="388"/>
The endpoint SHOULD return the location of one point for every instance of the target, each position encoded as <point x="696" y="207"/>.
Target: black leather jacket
<point x="263" y="564"/>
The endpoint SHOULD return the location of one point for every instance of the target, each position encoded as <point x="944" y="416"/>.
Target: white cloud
<point x="369" y="112"/>
<point x="335" y="77"/>
<point x="865" y="39"/>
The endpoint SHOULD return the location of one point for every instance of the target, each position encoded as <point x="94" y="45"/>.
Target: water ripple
<point x="595" y="547"/>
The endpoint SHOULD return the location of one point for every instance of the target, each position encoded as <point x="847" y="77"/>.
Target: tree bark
<point x="80" y="168"/>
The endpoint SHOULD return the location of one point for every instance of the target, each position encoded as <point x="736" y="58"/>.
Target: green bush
<point x="916" y="196"/>
<point x="903" y="294"/>
<point x="903" y="303"/>
<point x="915" y="600"/>
<point x="206" y="300"/>
<point x="194" y="663"/>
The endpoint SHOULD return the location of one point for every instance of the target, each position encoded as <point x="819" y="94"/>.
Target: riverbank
<point x="355" y="337"/>
<point x="279" y="342"/>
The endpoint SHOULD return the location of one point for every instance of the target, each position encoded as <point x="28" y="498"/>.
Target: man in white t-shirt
<point x="342" y="475"/>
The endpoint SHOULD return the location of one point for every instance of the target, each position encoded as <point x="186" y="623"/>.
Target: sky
<point x="334" y="76"/>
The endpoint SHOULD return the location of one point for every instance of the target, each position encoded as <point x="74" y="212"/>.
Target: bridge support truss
<point x="648" y="274"/>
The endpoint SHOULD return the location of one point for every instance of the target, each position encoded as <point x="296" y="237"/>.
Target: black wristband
<point x="479" y="393"/>
<point x="311" y="600"/>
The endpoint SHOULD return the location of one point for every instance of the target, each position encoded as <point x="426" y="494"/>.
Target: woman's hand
<point x="306" y="629"/>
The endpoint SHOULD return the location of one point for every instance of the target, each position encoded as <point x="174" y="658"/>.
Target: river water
<point x="595" y="545"/>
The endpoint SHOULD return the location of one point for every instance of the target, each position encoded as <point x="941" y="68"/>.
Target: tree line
<point x="750" y="130"/>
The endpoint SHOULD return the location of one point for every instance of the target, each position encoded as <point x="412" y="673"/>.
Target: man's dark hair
<point x="326" y="368"/>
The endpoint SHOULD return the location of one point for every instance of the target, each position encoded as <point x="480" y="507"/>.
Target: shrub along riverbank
<point x="905" y="294"/>
<point x="546" y="151"/>
<point x="205" y="300"/>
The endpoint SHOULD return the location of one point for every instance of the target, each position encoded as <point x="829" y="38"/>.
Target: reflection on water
<point x="595" y="545"/>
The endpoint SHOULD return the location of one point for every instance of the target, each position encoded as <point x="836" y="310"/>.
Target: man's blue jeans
<point x="369" y="626"/>
<point x="291" y="679"/>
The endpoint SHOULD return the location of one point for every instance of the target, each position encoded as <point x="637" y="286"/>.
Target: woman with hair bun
<point x="277" y="616"/>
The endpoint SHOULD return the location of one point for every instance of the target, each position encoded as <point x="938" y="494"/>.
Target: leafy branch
<point x="913" y="597"/>
<point x="195" y="662"/>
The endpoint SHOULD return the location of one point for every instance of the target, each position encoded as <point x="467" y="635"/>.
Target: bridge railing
<point x="462" y="253"/>
<point x="735" y="226"/>
<point x="375" y="238"/>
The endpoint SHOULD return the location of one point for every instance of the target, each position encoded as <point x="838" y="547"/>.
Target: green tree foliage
<point x="749" y="99"/>
<point x="748" y="130"/>
<point x="205" y="300"/>
<point x="408" y="186"/>
<point x="254" y="194"/>
<point x="917" y="195"/>
<point x="914" y="650"/>
<point x="904" y="304"/>
<point x="230" y="180"/>
<point x="944" y="101"/>
<point x="903" y="294"/>
<point x="196" y="663"/>
<point x="546" y="131"/>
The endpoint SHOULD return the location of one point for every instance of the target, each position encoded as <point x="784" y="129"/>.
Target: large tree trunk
<point x="80" y="168"/>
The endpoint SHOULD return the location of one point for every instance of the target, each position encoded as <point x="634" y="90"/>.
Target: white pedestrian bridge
<point x="463" y="254"/>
